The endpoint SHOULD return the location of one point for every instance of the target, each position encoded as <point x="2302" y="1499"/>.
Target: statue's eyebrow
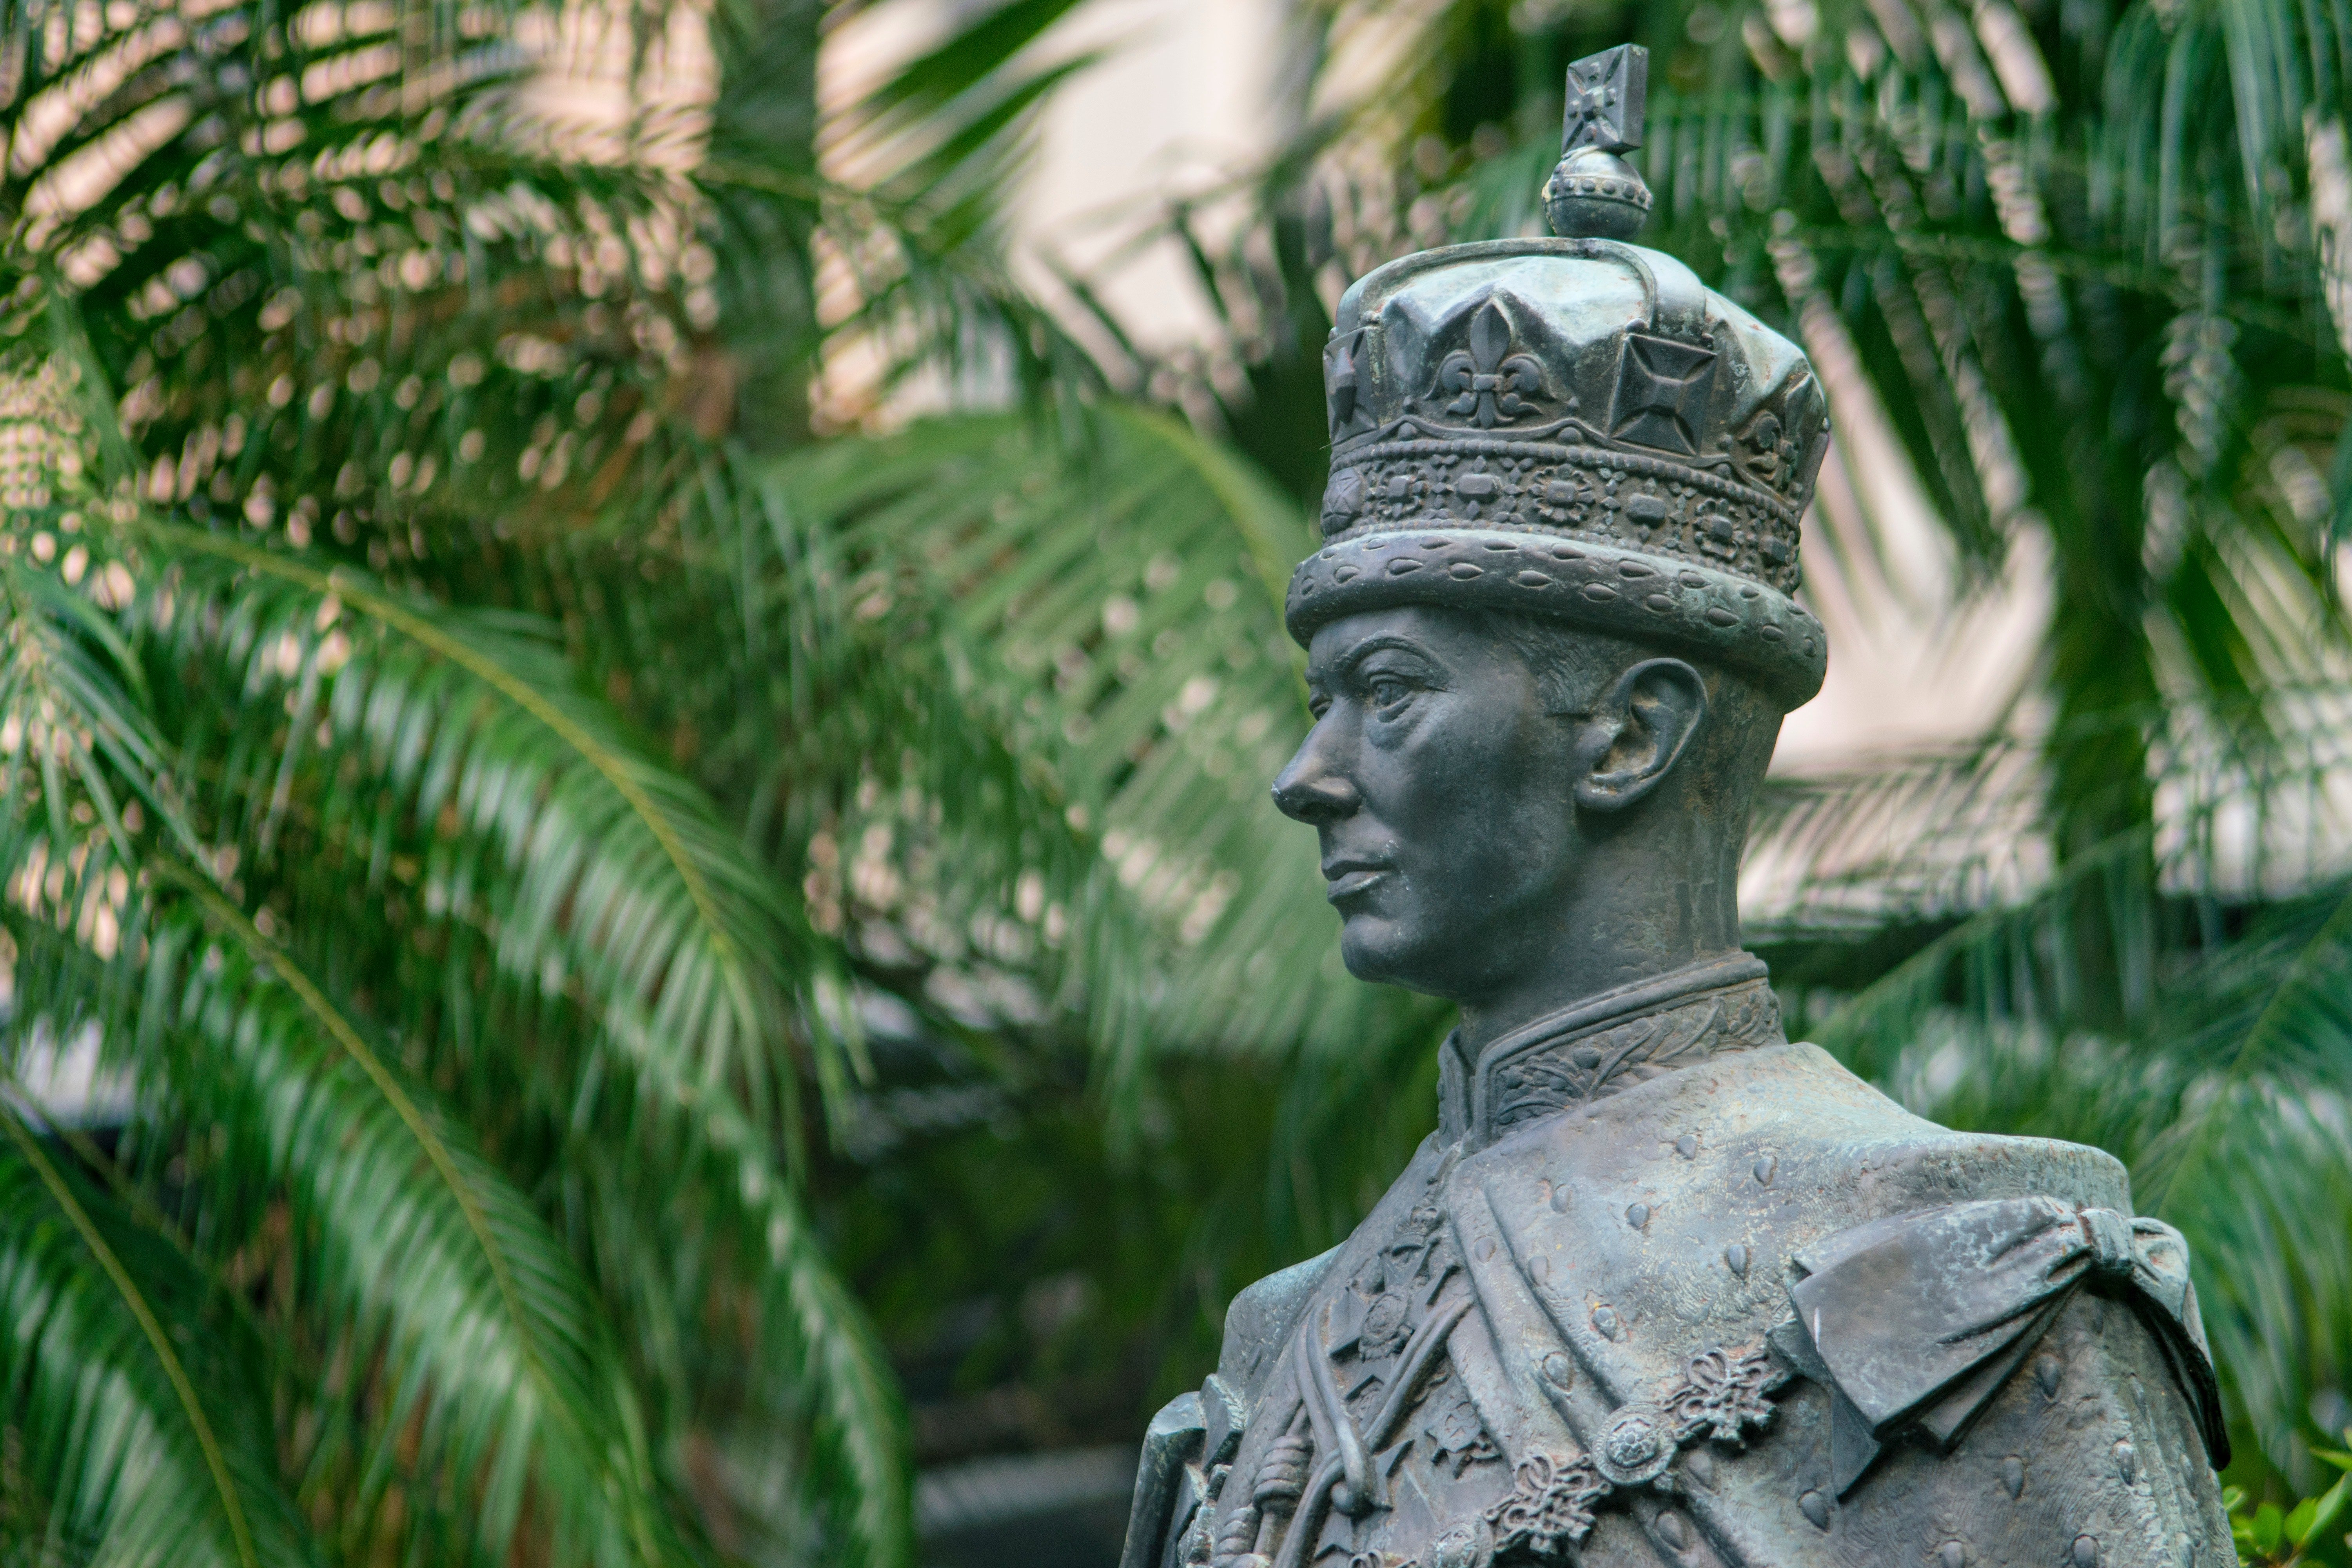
<point x="1356" y="655"/>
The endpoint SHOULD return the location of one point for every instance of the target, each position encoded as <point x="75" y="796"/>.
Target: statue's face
<point x="1443" y="794"/>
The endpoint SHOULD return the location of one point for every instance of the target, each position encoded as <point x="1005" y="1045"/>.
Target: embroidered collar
<point x="1603" y="1043"/>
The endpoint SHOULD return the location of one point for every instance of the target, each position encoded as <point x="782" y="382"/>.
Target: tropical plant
<point x="367" y="517"/>
<point x="2267" y="1533"/>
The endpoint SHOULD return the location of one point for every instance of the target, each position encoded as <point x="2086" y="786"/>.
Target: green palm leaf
<point x="499" y="1379"/>
<point x="139" y="1461"/>
<point x="1114" y="619"/>
<point x="612" y="888"/>
<point x="320" y="287"/>
<point x="625" y="876"/>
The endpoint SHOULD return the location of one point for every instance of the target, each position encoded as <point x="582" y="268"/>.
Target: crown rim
<point x="1720" y="616"/>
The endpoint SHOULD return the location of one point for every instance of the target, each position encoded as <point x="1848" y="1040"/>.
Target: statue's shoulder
<point x="1198" y="1430"/>
<point x="1259" y="1320"/>
<point x="1955" y="1330"/>
<point x="1834" y="1135"/>
<point x="1671" y="1219"/>
<point x="1785" y="1132"/>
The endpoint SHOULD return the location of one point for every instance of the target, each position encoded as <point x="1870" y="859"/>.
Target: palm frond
<point x="589" y="897"/>
<point x="137" y="1460"/>
<point x="345" y="333"/>
<point x="626" y="877"/>
<point x="499" y="1379"/>
<point x="1115" y="615"/>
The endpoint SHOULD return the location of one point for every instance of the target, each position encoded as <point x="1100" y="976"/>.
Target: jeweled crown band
<point x="1715" y="613"/>
<point x="1632" y="499"/>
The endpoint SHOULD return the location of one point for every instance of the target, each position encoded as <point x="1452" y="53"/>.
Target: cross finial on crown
<point x="1593" y="192"/>
<point x="1605" y="92"/>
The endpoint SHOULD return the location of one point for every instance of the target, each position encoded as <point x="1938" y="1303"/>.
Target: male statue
<point x="1663" y="1288"/>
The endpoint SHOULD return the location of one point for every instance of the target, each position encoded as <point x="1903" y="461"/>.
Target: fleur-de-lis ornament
<point x="1489" y="376"/>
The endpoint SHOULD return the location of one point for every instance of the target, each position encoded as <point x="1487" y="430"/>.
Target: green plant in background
<point x="607" y="886"/>
<point x="366" y="518"/>
<point x="2269" y="1533"/>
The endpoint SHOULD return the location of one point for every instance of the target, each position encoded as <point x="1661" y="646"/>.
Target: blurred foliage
<point x="622" y="894"/>
<point x="2267" y="1533"/>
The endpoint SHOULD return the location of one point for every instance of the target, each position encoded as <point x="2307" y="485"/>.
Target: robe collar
<point x="1603" y="1043"/>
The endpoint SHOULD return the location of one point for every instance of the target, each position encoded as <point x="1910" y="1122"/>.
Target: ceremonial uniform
<point x="1665" y="1288"/>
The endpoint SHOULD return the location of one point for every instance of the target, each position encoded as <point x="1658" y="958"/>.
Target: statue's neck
<point x="1641" y="908"/>
<point x="1588" y="978"/>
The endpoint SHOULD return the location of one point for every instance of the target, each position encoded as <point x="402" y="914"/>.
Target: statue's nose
<point x="1310" y="791"/>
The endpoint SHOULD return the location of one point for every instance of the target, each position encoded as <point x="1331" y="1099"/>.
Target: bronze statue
<point x="1663" y="1287"/>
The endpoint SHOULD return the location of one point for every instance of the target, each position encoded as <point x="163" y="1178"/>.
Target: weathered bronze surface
<point x="1663" y="1287"/>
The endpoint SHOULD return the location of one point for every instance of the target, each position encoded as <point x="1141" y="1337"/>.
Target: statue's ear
<point x="1637" y="731"/>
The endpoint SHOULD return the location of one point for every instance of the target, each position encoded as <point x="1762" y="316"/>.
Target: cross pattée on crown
<point x="1606" y="94"/>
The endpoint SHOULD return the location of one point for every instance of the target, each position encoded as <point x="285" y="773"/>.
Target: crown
<point x="1573" y="426"/>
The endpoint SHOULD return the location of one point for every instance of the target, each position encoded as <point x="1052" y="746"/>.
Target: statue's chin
<point x="1382" y="953"/>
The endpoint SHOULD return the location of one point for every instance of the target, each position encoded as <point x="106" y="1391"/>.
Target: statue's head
<point x="1550" y="634"/>
<point x="1488" y="786"/>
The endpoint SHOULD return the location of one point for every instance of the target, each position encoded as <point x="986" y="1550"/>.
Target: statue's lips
<point x="1349" y="878"/>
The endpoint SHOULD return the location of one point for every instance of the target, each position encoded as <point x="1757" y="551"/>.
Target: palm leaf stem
<point x="144" y="1209"/>
<point x="227" y="917"/>
<point x="184" y="1390"/>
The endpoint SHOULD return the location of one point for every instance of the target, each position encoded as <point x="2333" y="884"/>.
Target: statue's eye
<point x="1387" y="691"/>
